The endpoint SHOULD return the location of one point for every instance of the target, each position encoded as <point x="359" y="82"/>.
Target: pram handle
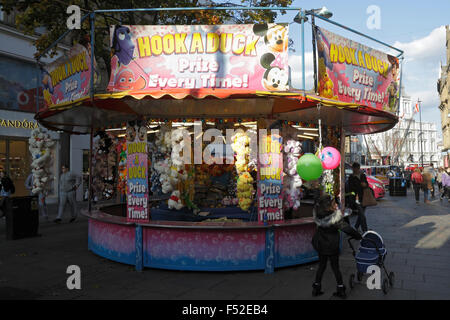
<point x="370" y="240"/>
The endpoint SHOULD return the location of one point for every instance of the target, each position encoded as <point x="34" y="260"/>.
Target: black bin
<point x="22" y="217"/>
<point x="397" y="187"/>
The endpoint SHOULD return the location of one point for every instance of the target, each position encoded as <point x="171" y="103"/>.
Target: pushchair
<point x="371" y="252"/>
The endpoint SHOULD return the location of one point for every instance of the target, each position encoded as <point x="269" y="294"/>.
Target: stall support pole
<point x="270" y="250"/>
<point x="139" y="248"/>
<point x="342" y="169"/>
<point x="302" y="14"/>
<point x="313" y="27"/>
<point x="91" y="143"/>
<point x="92" y="23"/>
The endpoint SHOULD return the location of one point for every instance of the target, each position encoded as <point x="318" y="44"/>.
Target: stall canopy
<point x="113" y="109"/>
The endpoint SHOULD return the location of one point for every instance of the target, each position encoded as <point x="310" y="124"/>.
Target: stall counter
<point x="201" y="246"/>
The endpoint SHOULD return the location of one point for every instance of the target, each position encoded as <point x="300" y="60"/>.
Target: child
<point x="326" y="240"/>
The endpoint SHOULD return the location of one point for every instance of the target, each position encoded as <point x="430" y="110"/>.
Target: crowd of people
<point x="427" y="179"/>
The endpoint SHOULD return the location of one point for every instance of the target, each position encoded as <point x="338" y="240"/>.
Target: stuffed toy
<point x="245" y="190"/>
<point x="292" y="181"/>
<point x="40" y="145"/>
<point x="175" y="201"/>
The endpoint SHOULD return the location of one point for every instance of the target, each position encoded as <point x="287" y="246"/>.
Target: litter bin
<point x="22" y="217"/>
<point x="397" y="186"/>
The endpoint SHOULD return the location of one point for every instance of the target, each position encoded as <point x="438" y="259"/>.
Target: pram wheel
<point x="391" y="279"/>
<point x="385" y="286"/>
<point x="351" y="281"/>
<point x="359" y="276"/>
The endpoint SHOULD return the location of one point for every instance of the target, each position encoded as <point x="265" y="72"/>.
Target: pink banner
<point x="137" y="173"/>
<point x="199" y="56"/>
<point x="270" y="178"/>
<point x="68" y="78"/>
<point x="352" y="72"/>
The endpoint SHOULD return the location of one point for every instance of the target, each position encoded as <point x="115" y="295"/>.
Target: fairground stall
<point x="210" y="158"/>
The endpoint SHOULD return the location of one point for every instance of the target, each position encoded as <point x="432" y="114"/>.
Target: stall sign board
<point x="270" y="178"/>
<point x="246" y="56"/>
<point x="68" y="78"/>
<point x="137" y="174"/>
<point x="352" y="72"/>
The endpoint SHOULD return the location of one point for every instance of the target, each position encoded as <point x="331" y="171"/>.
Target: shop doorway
<point x="15" y="160"/>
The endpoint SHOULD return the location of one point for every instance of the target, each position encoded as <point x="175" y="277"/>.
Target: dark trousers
<point x="361" y="221"/>
<point x="334" y="261"/>
<point x="417" y="191"/>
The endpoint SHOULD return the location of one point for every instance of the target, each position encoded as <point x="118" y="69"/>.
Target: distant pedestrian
<point x="42" y="205"/>
<point x="326" y="241"/>
<point x="6" y="189"/>
<point x="445" y="185"/>
<point x="357" y="182"/>
<point x="68" y="184"/>
<point x="427" y="185"/>
<point x="417" y="181"/>
<point x="439" y="178"/>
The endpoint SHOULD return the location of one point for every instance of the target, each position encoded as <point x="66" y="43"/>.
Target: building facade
<point x="19" y="90"/>
<point x="443" y="87"/>
<point x="408" y="142"/>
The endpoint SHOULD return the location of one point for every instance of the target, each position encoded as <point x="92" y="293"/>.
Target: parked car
<point x="377" y="187"/>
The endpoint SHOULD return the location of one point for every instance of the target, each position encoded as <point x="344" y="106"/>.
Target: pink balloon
<point x="330" y="157"/>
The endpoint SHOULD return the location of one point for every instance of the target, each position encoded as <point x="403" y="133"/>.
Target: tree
<point x="51" y="14"/>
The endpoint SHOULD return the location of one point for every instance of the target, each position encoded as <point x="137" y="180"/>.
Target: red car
<point x="377" y="187"/>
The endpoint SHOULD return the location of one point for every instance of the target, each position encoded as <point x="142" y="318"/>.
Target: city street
<point x="417" y="238"/>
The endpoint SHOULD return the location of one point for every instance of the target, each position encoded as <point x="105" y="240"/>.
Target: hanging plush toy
<point x="292" y="181"/>
<point x="40" y="145"/>
<point x="245" y="188"/>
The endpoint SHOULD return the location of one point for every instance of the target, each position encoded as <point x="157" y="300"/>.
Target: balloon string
<point x="320" y="135"/>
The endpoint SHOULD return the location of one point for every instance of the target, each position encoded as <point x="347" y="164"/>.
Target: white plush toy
<point x="175" y="201"/>
<point x="40" y="145"/>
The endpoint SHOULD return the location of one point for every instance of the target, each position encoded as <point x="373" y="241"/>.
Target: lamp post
<point x="301" y="18"/>
<point x="420" y="134"/>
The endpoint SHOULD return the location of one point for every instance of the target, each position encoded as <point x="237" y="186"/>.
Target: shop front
<point x="15" y="157"/>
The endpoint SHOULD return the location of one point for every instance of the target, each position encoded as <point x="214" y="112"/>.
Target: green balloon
<point x="309" y="167"/>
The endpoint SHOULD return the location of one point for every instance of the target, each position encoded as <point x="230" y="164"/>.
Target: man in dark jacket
<point x="357" y="182"/>
<point x="326" y="241"/>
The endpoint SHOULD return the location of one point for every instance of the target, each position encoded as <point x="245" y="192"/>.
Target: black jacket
<point x="355" y="186"/>
<point x="326" y="239"/>
<point x="7" y="185"/>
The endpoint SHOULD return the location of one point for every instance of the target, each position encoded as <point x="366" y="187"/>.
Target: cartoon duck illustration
<point x="47" y="87"/>
<point x="125" y="80"/>
<point x="326" y="87"/>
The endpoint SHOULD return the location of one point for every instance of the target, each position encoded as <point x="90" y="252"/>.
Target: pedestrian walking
<point x="68" y="184"/>
<point x="439" y="178"/>
<point x="445" y="185"/>
<point x="326" y="241"/>
<point x="417" y="181"/>
<point x="42" y="204"/>
<point x="433" y="175"/>
<point x="427" y="185"/>
<point x="7" y="188"/>
<point x="357" y="182"/>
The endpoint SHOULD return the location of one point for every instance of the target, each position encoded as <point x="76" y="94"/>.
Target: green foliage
<point x="51" y="14"/>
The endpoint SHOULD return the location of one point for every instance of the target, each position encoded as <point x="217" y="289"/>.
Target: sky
<point x="416" y="27"/>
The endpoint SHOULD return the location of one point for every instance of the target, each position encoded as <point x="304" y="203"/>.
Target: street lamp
<point x="323" y="12"/>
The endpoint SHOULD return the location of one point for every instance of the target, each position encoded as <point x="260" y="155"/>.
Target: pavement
<point x="416" y="237"/>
